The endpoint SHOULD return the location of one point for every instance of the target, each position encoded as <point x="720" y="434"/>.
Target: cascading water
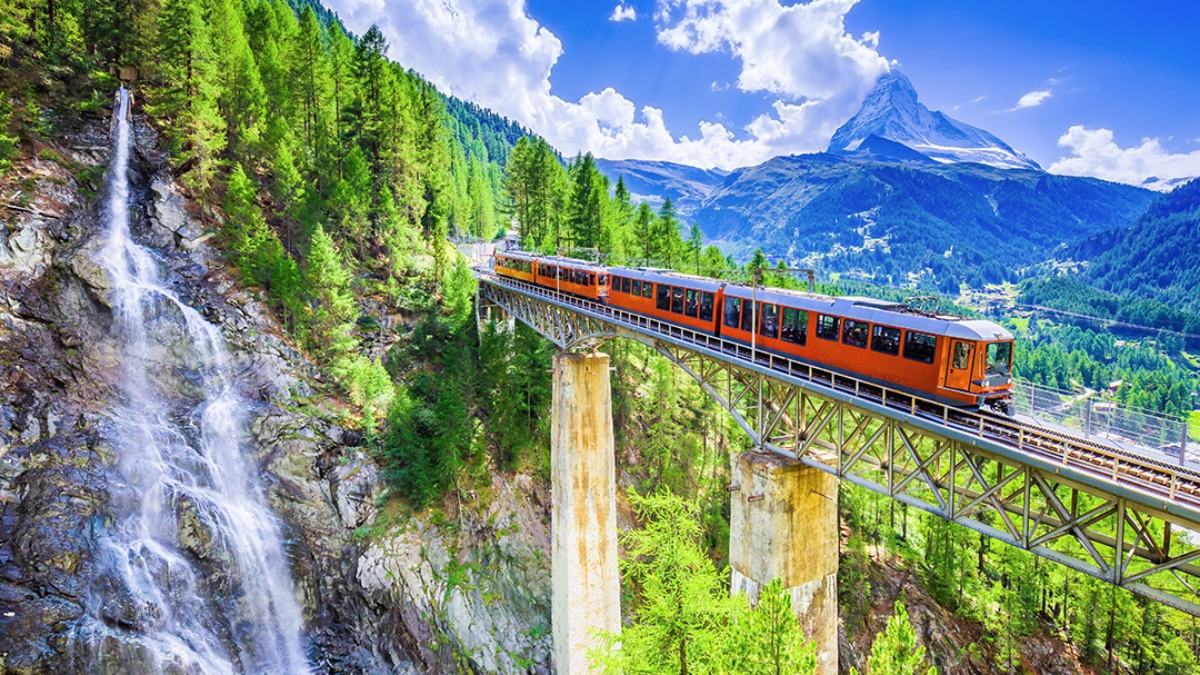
<point x="193" y="578"/>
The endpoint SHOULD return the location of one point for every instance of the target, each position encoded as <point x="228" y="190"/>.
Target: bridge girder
<point x="1130" y="521"/>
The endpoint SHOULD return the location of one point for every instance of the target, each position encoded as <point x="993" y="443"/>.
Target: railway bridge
<point x="1124" y="517"/>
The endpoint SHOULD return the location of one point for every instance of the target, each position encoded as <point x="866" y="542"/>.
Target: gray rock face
<point x="470" y="595"/>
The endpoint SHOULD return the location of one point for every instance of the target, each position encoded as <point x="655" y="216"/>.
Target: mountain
<point x="881" y="149"/>
<point x="896" y="220"/>
<point x="1158" y="257"/>
<point x="652" y="181"/>
<point x="892" y="111"/>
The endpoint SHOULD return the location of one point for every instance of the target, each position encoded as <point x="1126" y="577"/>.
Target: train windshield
<point x="999" y="358"/>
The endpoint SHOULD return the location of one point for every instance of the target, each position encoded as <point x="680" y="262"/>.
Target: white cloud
<point x="493" y="53"/>
<point x="800" y="52"/>
<point x="1033" y="99"/>
<point x="1097" y="154"/>
<point x="623" y="12"/>
<point x="979" y="99"/>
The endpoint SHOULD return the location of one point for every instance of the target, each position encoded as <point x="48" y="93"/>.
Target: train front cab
<point x="938" y="358"/>
<point x="980" y="368"/>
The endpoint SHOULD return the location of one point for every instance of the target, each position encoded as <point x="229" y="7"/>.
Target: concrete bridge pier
<point x="783" y="523"/>
<point x="583" y="529"/>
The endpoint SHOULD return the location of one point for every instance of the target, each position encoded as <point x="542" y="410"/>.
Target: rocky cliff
<point x="468" y="591"/>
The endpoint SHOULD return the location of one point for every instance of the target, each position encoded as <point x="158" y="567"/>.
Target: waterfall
<point x="192" y="577"/>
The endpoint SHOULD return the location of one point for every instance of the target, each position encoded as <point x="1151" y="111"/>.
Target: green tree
<point x="768" y="640"/>
<point x="332" y="309"/>
<point x="643" y="232"/>
<point x="188" y="97"/>
<point x="589" y="196"/>
<point x="695" y="243"/>
<point x="683" y="606"/>
<point x="895" y="651"/>
<point x="668" y="243"/>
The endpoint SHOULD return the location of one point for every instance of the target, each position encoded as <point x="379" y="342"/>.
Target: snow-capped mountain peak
<point x="892" y="111"/>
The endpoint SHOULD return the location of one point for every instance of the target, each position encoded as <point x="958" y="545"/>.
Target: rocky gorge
<point x="464" y="591"/>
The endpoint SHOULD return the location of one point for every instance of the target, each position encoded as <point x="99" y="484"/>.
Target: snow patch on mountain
<point x="892" y="111"/>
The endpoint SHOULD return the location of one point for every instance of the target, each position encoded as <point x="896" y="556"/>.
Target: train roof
<point x="519" y="255"/>
<point x="873" y="311"/>
<point x="552" y="259"/>
<point x="671" y="277"/>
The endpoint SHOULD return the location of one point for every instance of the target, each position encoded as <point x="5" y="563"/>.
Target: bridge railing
<point x="1065" y="445"/>
<point x="1135" y="430"/>
<point x="1145" y="432"/>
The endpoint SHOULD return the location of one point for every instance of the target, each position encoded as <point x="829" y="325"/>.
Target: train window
<point x="962" y="355"/>
<point x="646" y="289"/>
<point x="733" y="309"/>
<point x="885" y="339"/>
<point x="706" y="306"/>
<point x="625" y="285"/>
<point x="795" y="326"/>
<point x="591" y="279"/>
<point x="603" y="279"/>
<point x="677" y="300"/>
<point x="827" y="327"/>
<point x="635" y="287"/>
<point x="770" y="321"/>
<point x="663" y="300"/>
<point x="748" y="316"/>
<point x="999" y="359"/>
<point x="920" y="347"/>
<point x="691" y="304"/>
<point x="854" y="333"/>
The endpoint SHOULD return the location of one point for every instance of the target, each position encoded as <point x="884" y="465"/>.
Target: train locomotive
<point x="951" y="359"/>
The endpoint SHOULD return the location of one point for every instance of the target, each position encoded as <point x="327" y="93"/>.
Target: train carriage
<point x="949" y="358"/>
<point x="516" y="264"/>
<point x="681" y="299"/>
<point x="570" y="275"/>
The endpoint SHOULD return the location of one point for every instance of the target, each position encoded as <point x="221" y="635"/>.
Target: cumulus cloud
<point x="1033" y="99"/>
<point x="800" y="52"/>
<point x="1097" y="154"/>
<point x="493" y="53"/>
<point x="623" y="12"/>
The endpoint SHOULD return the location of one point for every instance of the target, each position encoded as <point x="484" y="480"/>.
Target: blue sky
<point x="1092" y="88"/>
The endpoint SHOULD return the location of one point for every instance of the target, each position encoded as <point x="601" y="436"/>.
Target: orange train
<point x="965" y="362"/>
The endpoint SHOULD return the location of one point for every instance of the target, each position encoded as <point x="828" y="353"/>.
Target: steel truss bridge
<point x="1130" y="520"/>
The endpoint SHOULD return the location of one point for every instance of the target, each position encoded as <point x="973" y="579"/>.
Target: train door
<point x="958" y="371"/>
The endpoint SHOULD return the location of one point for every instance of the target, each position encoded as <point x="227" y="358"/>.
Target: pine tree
<point x="684" y="604"/>
<point x="643" y="232"/>
<point x="695" y="243"/>
<point x="589" y="194"/>
<point x="895" y="651"/>
<point x="667" y="240"/>
<point x="771" y="642"/>
<point x="332" y="310"/>
<point x="311" y="83"/>
<point x="246" y="232"/>
<point x="189" y="95"/>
